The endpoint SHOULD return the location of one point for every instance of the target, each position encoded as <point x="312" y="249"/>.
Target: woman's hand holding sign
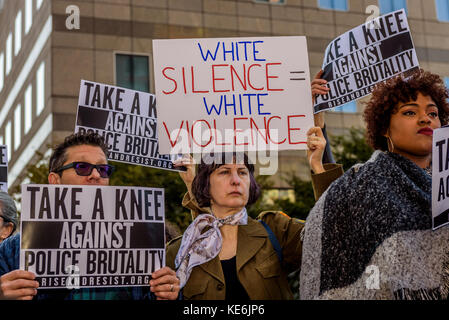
<point x="316" y="144"/>
<point x="165" y="284"/>
<point x="187" y="176"/>
<point x="319" y="87"/>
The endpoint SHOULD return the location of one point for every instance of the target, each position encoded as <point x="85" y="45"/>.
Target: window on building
<point x="1" y="139"/>
<point x="350" y="107"/>
<point x="17" y="126"/>
<point x="2" y="70"/>
<point x="442" y="7"/>
<point x="28" y="112"/>
<point x="341" y="5"/>
<point x="28" y="15"/>
<point x="40" y="89"/>
<point x="132" y="72"/>
<point x="18" y="33"/>
<point x="8" y="138"/>
<point x="8" y="54"/>
<point x="387" y="6"/>
<point x="38" y="4"/>
<point x="271" y="1"/>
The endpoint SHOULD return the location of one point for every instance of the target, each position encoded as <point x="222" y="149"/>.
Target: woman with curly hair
<point x="370" y="234"/>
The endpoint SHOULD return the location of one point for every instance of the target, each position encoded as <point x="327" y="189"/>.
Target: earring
<point x="390" y="144"/>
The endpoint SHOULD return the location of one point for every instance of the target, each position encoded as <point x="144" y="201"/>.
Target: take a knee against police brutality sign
<point x="368" y="54"/>
<point x="126" y="119"/>
<point x="91" y="236"/>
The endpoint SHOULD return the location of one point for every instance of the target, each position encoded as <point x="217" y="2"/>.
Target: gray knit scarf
<point x="369" y="236"/>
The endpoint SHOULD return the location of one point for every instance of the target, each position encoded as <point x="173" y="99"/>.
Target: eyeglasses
<point x="85" y="169"/>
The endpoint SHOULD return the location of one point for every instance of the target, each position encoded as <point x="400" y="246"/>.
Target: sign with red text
<point x="440" y="178"/>
<point x="91" y="236"/>
<point x="126" y="119"/>
<point x="364" y="56"/>
<point x="232" y="94"/>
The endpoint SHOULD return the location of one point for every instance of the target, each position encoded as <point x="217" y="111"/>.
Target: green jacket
<point x="258" y="267"/>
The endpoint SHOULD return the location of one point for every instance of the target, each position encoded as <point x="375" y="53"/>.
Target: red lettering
<point x="216" y="79"/>
<point x="249" y="80"/>
<point x="184" y="79"/>
<point x="251" y="122"/>
<point x="268" y="130"/>
<point x="293" y="129"/>
<point x="169" y="136"/>
<point x="193" y="136"/>
<point x="238" y="130"/>
<point x="233" y="71"/>
<point x="216" y="138"/>
<point x="271" y="77"/>
<point x="176" y="85"/>
<point x="193" y="84"/>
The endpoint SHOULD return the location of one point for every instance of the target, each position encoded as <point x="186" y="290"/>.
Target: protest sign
<point x="92" y="236"/>
<point x="4" y="168"/>
<point x="126" y="119"/>
<point x="244" y="94"/>
<point x="366" y="55"/>
<point x="440" y="178"/>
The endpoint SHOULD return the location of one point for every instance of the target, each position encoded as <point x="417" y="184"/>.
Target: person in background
<point x="8" y="216"/>
<point x="79" y="160"/>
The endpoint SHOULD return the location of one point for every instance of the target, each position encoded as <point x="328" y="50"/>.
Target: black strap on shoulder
<point x="274" y="240"/>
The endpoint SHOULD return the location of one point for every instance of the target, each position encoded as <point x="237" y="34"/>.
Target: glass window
<point x="17" y="126"/>
<point x="28" y="15"/>
<point x="18" y="33"/>
<point x="341" y="5"/>
<point x="38" y="4"/>
<point x="8" y="138"/>
<point x="350" y="107"/>
<point x="28" y="114"/>
<point x="40" y="88"/>
<point x="2" y="69"/>
<point x="132" y="72"/>
<point x="271" y="1"/>
<point x="392" y="5"/>
<point x="442" y="7"/>
<point x="8" y="53"/>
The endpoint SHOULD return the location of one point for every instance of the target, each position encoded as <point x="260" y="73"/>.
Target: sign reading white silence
<point x="440" y="178"/>
<point x="91" y="236"/>
<point x="126" y="119"/>
<point x="232" y="94"/>
<point x="366" y="55"/>
<point x="4" y="168"/>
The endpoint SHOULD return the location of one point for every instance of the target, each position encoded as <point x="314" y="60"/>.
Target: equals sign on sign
<point x="297" y="75"/>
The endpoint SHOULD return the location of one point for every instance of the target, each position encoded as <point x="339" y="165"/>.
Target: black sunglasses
<point x="85" y="168"/>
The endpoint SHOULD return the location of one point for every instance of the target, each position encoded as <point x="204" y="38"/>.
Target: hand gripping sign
<point x="232" y="94"/>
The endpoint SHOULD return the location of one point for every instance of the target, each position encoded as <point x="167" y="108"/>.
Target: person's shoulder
<point x="273" y="217"/>
<point x="10" y="244"/>
<point x="175" y="242"/>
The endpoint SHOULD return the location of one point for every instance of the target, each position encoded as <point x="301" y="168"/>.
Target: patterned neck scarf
<point x="198" y="247"/>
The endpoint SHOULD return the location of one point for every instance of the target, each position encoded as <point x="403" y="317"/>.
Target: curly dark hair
<point x="387" y="95"/>
<point x="59" y="155"/>
<point x="201" y="182"/>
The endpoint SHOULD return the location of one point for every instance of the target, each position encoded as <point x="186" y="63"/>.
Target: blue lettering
<point x="256" y="51"/>
<point x="208" y="53"/>
<point x="228" y="51"/>
<point x="209" y="111"/>
<point x="226" y="105"/>
<point x="259" y="104"/>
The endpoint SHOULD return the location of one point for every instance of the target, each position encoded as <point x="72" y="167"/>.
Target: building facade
<point x="44" y="55"/>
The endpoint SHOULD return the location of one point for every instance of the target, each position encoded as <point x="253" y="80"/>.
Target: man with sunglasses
<point x="79" y="160"/>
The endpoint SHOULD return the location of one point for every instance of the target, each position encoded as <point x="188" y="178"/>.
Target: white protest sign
<point x="226" y="94"/>
<point x="366" y="55"/>
<point x="440" y="178"/>
<point x="4" y="168"/>
<point x="126" y="119"/>
<point x="92" y="236"/>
